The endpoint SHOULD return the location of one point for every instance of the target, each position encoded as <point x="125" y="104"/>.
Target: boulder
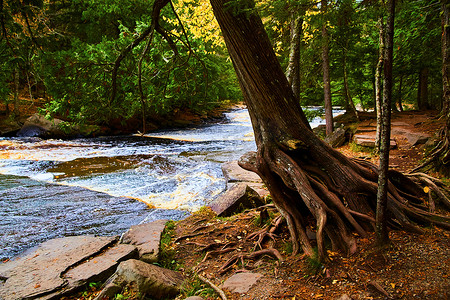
<point x="145" y="279"/>
<point x="336" y="138"/>
<point x="39" y="126"/>
<point x="146" y="237"/>
<point x="237" y="197"/>
<point x="234" y="173"/>
<point x="241" y="282"/>
<point x="415" y="139"/>
<point x="39" y="272"/>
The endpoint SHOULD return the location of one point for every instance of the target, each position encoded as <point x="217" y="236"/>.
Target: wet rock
<point x="337" y="138"/>
<point x="146" y="237"/>
<point x="39" y="126"/>
<point x="234" y="173"/>
<point x="39" y="272"/>
<point x="145" y="279"/>
<point x="237" y="197"/>
<point x="241" y="282"/>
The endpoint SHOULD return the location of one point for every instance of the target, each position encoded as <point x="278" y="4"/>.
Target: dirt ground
<point x="412" y="267"/>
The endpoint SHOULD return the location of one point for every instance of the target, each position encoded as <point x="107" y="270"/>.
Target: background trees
<point x="64" y="52"/>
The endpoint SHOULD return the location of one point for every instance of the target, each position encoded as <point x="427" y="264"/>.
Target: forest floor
<point x="414" y="266"/>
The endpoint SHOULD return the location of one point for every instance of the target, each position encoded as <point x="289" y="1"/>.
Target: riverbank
<point x="179" y="118"/>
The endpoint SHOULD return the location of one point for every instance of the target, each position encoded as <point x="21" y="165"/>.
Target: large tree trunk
<point x="307" y="179"/>
<point x="293" y="69"/>
<point x="326" y="70"/>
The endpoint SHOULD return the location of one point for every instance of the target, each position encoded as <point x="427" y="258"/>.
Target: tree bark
<point x="308" y="180"/>
<point x="347" y="95"/>
<point x="381" y="226"/>
<point x="326" y="70"/>
<point x="422" y="90"/>
<point x="379" y="81"/>
<point x="16" y="90"/>
<point x="293" y="69"/>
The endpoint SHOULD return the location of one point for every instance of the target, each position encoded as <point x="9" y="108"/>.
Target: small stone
<point x="241" y="282"/>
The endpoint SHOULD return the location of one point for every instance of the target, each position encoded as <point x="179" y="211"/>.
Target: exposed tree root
<point x="267" y="231"/>
<point x="341" y="200"/>
<point x="241" y="256"/>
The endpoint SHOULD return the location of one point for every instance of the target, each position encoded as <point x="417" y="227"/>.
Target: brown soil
<point x="412" y="267"/>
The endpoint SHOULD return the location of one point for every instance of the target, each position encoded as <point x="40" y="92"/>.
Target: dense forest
<point x="97" y="62"/>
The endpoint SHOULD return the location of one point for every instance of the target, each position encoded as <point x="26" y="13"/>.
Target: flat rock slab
<point x="369" y="141"/>
<point x="39" y="272"/>
<point x="99" y="267"/>
<point x="146" y="237"/>
<point x="146" y="278"/>
<point x="237" y="197"/>
<point x="241" y="282"/>
<point x="234" y="173"/>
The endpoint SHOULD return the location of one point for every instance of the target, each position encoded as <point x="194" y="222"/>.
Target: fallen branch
<point x="214" y="287"/>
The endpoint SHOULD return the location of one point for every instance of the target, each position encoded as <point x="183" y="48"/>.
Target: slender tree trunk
<point x="326" y="71"/>
<point x="400" y="93"/>
<point x="16" y="91"/>
<point x="293" y="69"/>
<point x="311" y="184"/>
<point x="348" y="96"/>
<point x="379" y="80"/>
<point x="422" y="91"/>
<point x="381" y="220"/>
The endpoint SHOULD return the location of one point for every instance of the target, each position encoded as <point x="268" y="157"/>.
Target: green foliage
<point x="166" y="256"/>
<point x="314" y="265"/>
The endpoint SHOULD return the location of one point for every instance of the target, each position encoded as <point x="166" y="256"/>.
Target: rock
<point x="337" y="138"/>
<point x="40" y="272"/>
<point x="369" y="141"/>
<point x="147" y="279"/>
<point x="234" y="173"/>
<point x="146" y="237"/>
<point x="39" y="126"/>
<point x="415" y="139"/>
<point x="241" y="282"/>
<point x="344" y="297"/>
<point x="194" y="298"/>
<point x="239" y="196"/>
<point x="99" y="267"/>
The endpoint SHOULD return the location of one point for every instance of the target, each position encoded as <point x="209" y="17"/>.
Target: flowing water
<point x="53" y="188"/>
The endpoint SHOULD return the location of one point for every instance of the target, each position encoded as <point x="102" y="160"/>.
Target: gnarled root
<point x="340" y="194"/>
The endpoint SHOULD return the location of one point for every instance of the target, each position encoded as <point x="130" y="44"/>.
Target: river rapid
<point x="102" y="186"/>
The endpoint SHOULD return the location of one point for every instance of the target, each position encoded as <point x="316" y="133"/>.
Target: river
<point x="54" y="188"/>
